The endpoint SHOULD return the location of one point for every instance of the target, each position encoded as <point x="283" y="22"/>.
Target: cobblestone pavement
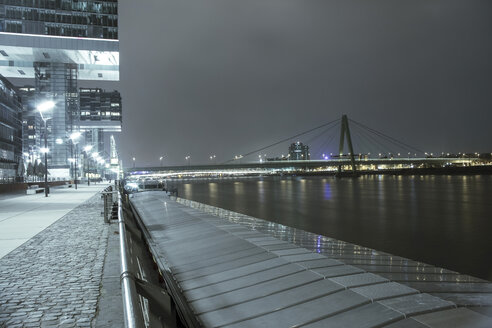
<point x="54" y="279"/>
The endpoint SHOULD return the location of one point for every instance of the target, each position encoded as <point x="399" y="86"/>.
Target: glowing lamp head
<point x="75" y="135"/>
<point x="45" y="106"/>
<point x="44" y="150"/>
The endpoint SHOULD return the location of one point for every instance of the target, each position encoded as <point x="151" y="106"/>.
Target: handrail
<point x="133" y="315"/>
<point x="187" y="316"/>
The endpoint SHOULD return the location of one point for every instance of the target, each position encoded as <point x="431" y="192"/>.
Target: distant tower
<point x="345" y="131"/>
<point x="113" y="153"/>
<point x="298" y="152"/>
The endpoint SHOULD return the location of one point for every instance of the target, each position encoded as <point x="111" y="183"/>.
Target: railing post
<point x="131" y="305"/>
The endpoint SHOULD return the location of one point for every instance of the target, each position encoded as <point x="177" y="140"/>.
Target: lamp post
<point x="43" y="107"/>
<point x="95" y="157"/>
<point x="87" y="149"/>
<point x="73" y="138"/>
<point x="102" y="164"/>
<point x="160" y="160"/>
<point x="188" y="159"/>
<point x="133" y="162"/>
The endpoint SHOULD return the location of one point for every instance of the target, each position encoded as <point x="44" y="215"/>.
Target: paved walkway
<point x="54" y="278"/>
<point x="24" y="216"/>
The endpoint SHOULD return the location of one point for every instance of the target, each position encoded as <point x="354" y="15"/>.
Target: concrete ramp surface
<point x="232" y="275"/>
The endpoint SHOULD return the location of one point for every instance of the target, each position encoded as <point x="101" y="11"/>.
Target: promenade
<point x="60" y="267"/>
<point x="52" y="260"/>
<point x="238" y="271"/>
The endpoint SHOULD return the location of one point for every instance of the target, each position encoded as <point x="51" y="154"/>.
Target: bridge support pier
<point x="345" y="131"/>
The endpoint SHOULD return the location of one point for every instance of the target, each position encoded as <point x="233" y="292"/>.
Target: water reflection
<point x="442" y="220"/>
<point x="327" y="191"/>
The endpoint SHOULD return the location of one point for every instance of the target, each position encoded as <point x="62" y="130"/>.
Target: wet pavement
<point x="461" y="289"/>
<point x="240" y="271"/>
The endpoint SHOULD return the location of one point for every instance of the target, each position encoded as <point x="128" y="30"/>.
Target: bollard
<point x="107" y="196"/>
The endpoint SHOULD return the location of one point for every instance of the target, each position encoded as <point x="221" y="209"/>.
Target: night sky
<point x="226" y="77"/>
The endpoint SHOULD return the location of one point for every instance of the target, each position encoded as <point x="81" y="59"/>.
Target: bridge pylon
<point x="345" y="132"/>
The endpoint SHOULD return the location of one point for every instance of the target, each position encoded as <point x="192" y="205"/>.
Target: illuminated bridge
<point x="287" y="167"/>
<point x="377" y="152"/>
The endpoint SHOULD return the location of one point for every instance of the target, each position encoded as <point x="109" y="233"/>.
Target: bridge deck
<point x="233" y="275"/>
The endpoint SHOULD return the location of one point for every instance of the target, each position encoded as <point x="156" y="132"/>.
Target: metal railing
<point x="146" y="302"/>
<point x="133" y="315"/>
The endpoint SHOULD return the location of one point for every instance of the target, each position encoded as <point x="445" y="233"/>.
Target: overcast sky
<point x="225" y="77"/>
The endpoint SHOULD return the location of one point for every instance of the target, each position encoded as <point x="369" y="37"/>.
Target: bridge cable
<point x="284" y="140"/>
<point x="359" y="139"/>
<point x="310" y="142"/>
<point x="387" y="137"/>
<point x="377" y="143"/>
<point x="327" y="142"/>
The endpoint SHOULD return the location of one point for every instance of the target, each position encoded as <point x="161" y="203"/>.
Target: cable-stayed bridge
<point x="342" y="145"/>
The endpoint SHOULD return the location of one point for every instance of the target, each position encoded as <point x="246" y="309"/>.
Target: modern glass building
<point x="57" y="43"/>
<point x="298" y="152"/>
<point x="100" y="112"/>
<point x="32" y="123"/>
<point x="11" y="164"/>
<point x="85" y="19"/>
<point x="99" y="109"/>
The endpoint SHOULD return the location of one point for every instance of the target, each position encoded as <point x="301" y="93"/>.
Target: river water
<point x="440" y="220"/>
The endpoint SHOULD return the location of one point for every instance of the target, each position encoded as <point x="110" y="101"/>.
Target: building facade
<point x="56" y="43"/>
<point x="11" y="164"/>
<point x="100" y="112"/>
<point x="298" y="152"/>
<point x="84" y="19"/>
<point x="32" y="124"/>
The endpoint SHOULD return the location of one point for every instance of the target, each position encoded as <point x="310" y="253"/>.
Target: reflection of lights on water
<point x="327" y="191"/>
<point x="318" y="245"/>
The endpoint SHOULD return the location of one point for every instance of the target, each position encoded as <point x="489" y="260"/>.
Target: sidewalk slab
<point x="54" y="278"/>
<point x="24" y="216"/>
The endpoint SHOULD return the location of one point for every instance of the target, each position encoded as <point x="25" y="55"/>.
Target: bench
<point x="34" y="189"/>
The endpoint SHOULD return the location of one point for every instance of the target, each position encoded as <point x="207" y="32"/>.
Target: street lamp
<point x="133" y="162"/>
<point x="160" y="160"/>
<point x="87" y="149"/>
<point x="43" y="107"/>
<point x="96" y="158"/>
<point x="188" y="159"/>
<point x="73" y="138"/>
